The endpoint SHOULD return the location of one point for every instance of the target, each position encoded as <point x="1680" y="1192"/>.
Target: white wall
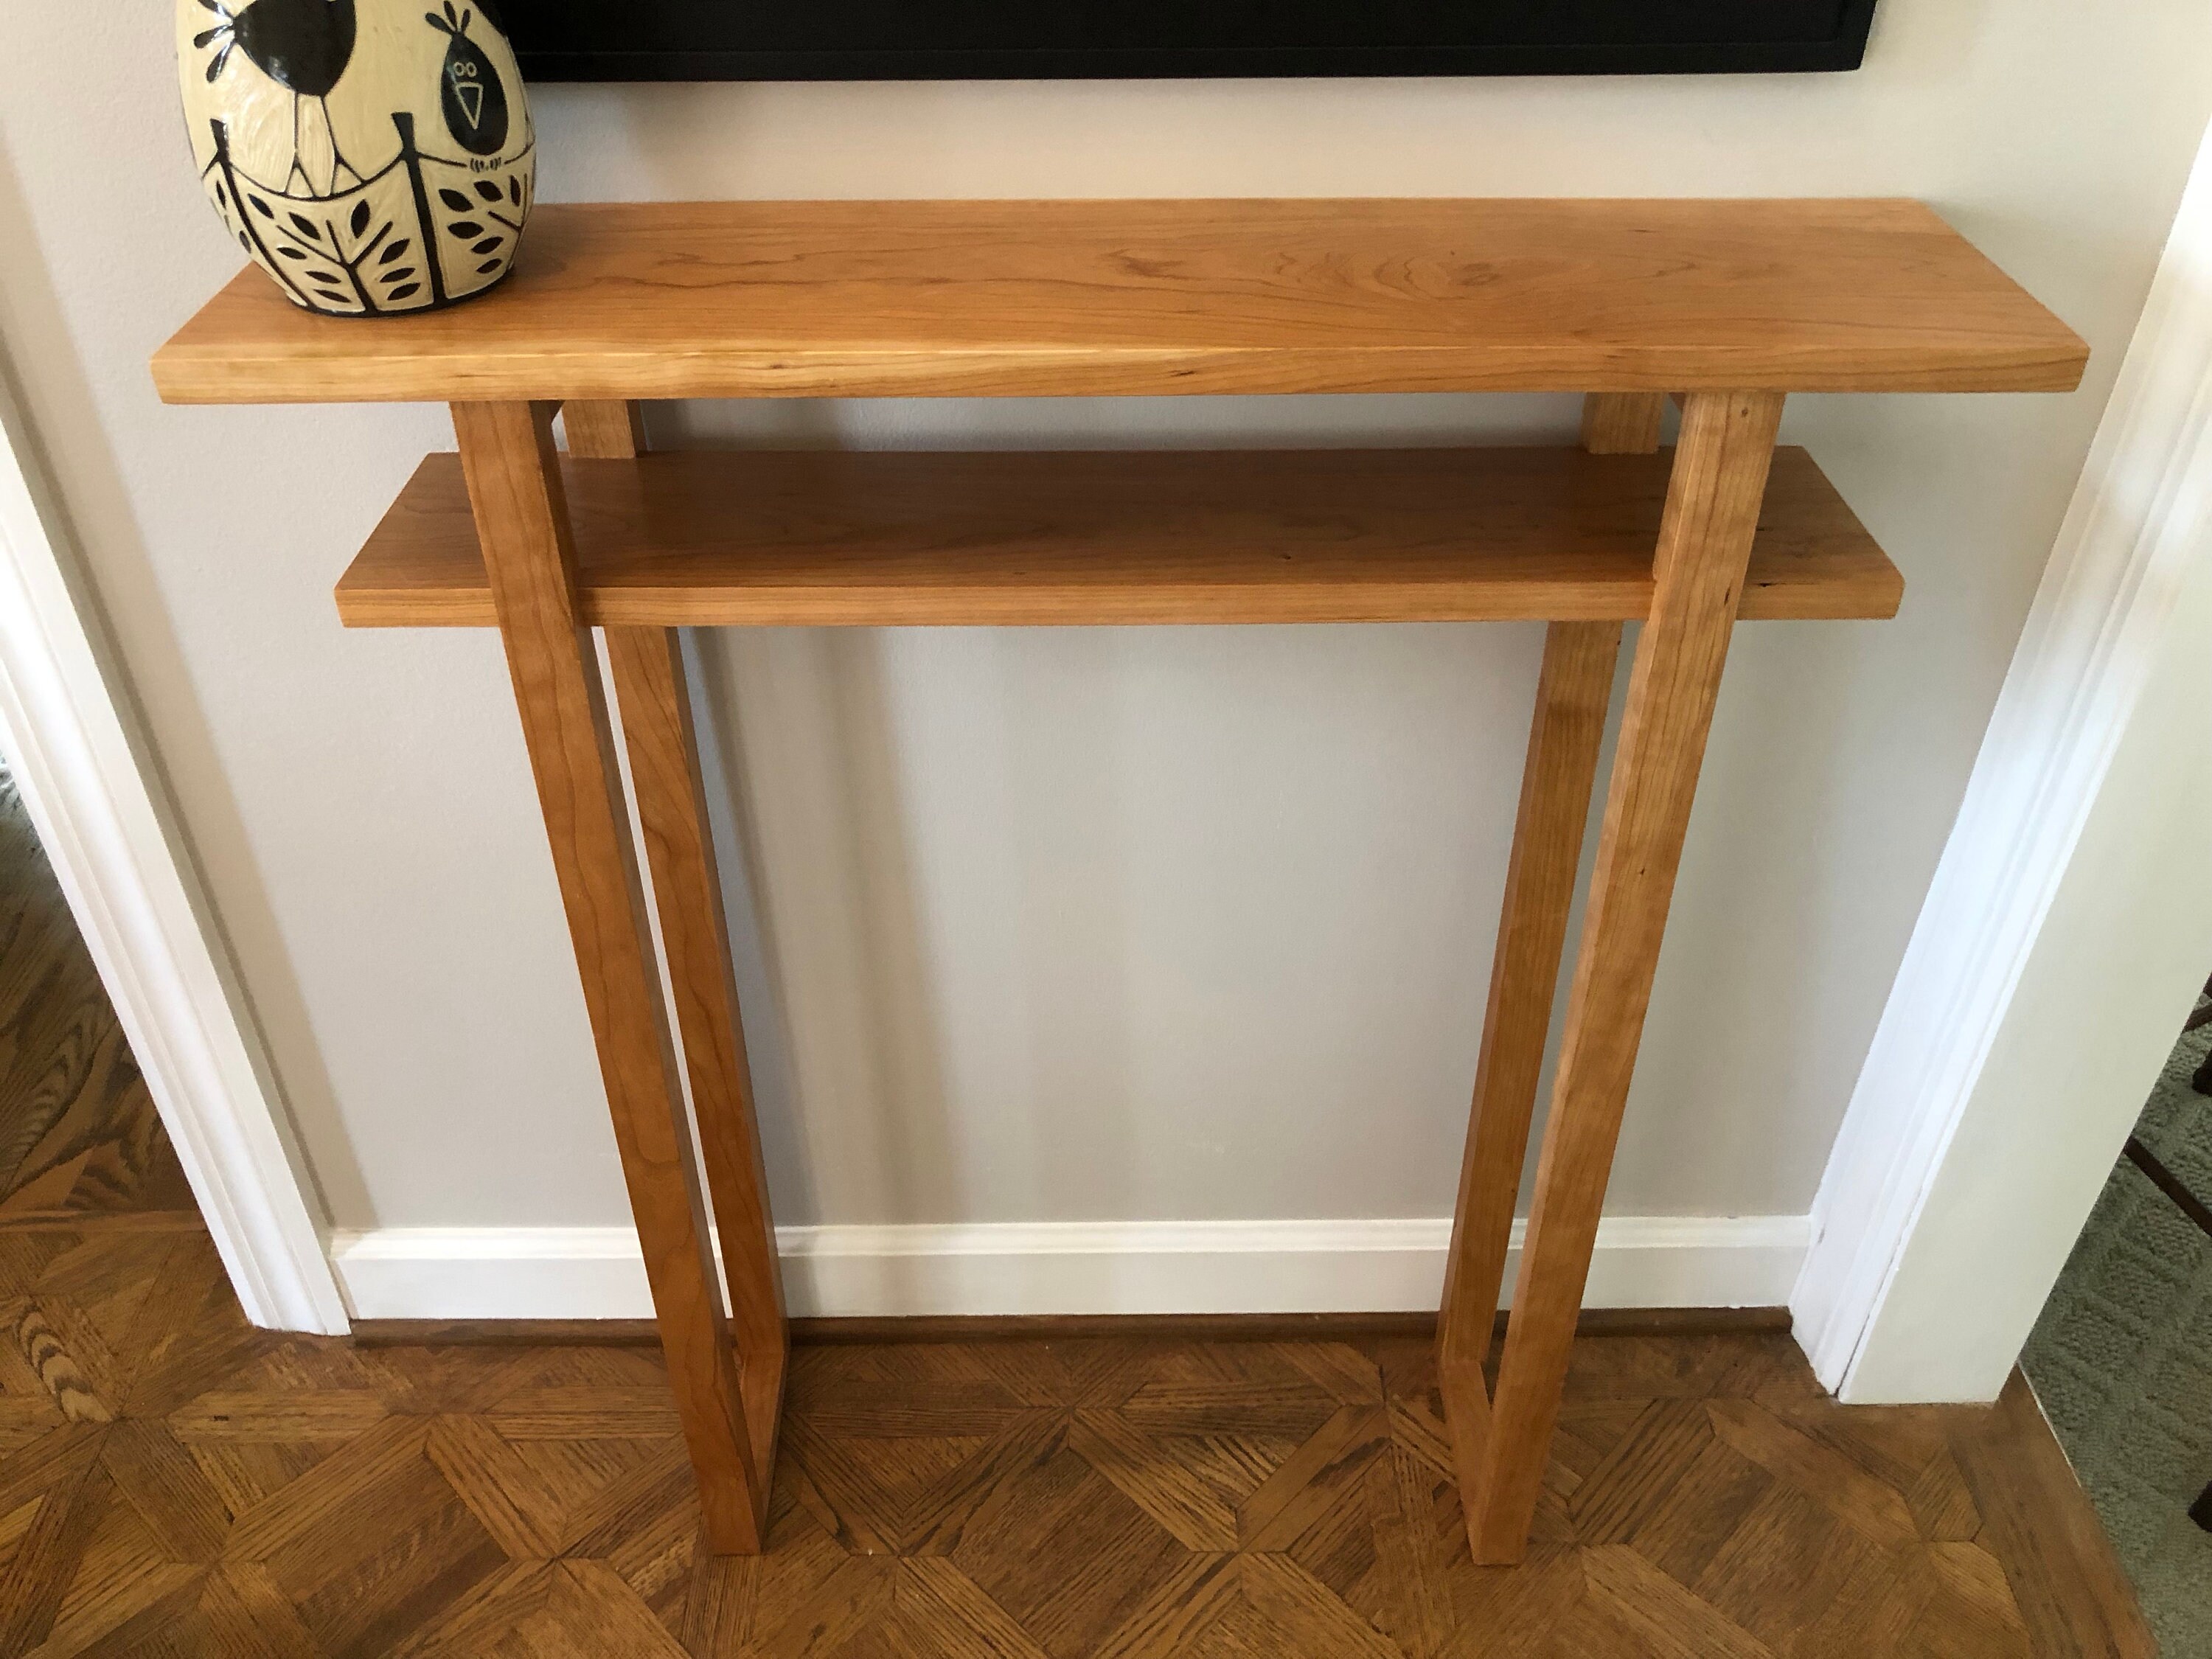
<point x="2112" y="975"/>
<point x="2069" y="920"/>
<point x="1084" y="925"/>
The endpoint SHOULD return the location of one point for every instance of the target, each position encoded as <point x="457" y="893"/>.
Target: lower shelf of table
<point x="702" y="539"/>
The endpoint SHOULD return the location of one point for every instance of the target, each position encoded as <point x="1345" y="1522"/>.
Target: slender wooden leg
<point x="522" y="523"/>
<point x="654" y="706"/>
<point x="1705" y="542"/>
<point x="613" y="430"/>
<point x="1572" y="690"/>
<point x="1622" y="423"/>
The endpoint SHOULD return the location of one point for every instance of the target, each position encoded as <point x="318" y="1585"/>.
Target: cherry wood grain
<point x="871" y="298"/>
<point x="664" y="761"/>
<point x="1704" y="544"/>
<point x="1573" y="688"/>
<point x="1728" y="304"/>
<point x="816" y="538"/>
<point x="654" y="706"/>
<point x="608" y="430"/>
<point x="1622" y="423"/>
<point x="514" y="484"/>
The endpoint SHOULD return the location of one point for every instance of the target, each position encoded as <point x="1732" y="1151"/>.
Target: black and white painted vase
<point x="372" y="156"/>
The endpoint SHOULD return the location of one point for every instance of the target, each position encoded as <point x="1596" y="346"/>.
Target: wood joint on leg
<point x="652" y="701"/>
<point x="1622" y="423"/>
<point x="655" y="707"/>
<point x="1705" y="543"/>
<point x="604" y="429"/>
<point x="1467" y="1416"/>
<point x="1573" y="688"/>
<point x="522" y="523"/>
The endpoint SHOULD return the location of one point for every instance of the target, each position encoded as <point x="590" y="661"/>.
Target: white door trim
<point x="107" y="829"/>
<point x="2105" y="611"/>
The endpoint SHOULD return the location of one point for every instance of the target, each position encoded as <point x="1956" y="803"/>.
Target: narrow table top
<point x="866" y="299"/>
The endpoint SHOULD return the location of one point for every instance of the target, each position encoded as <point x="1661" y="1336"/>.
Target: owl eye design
<point x="434" y="218"/>
<point x="470" y="94"/>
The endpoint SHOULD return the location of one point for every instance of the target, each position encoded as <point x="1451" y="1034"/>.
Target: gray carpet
<point x="2122" y="1360"/>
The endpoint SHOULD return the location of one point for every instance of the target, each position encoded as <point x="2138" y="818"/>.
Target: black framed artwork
<point x="1003" y="39"/>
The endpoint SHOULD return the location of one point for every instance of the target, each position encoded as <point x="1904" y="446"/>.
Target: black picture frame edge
<point x="1842" y="52"/>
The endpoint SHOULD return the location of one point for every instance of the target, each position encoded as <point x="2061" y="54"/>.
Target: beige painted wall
<point x="1087" y="923"/>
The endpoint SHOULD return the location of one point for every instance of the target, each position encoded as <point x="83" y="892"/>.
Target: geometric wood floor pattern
<point x="78" y="1131"/>
<point x="173" y="1483"/>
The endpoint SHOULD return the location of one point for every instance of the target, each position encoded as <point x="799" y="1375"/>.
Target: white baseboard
<point x="1042" y="1267"/>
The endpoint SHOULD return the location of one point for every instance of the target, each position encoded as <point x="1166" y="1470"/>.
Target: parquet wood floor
<point x="175" y="1484"/>
<point x="78" y="1131"/>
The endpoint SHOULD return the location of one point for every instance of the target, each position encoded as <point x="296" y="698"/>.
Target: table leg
<point x="653" y="705"/>
<point x="522" y="524"/>
<point x="1573" y="688"/>
<point x="611" y="431"/>
<point x="1705" y="542"/>
<point x="1622" y="423"/>
<point x="1572" y="691"/>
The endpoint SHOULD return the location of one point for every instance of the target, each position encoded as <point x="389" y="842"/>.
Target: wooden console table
<point x="1728" y="305"/>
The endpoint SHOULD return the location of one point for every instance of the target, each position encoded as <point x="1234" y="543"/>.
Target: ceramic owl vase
<point x="372" y="156"/>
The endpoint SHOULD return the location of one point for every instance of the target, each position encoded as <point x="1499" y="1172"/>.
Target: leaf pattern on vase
<point x="287" y="98"/>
